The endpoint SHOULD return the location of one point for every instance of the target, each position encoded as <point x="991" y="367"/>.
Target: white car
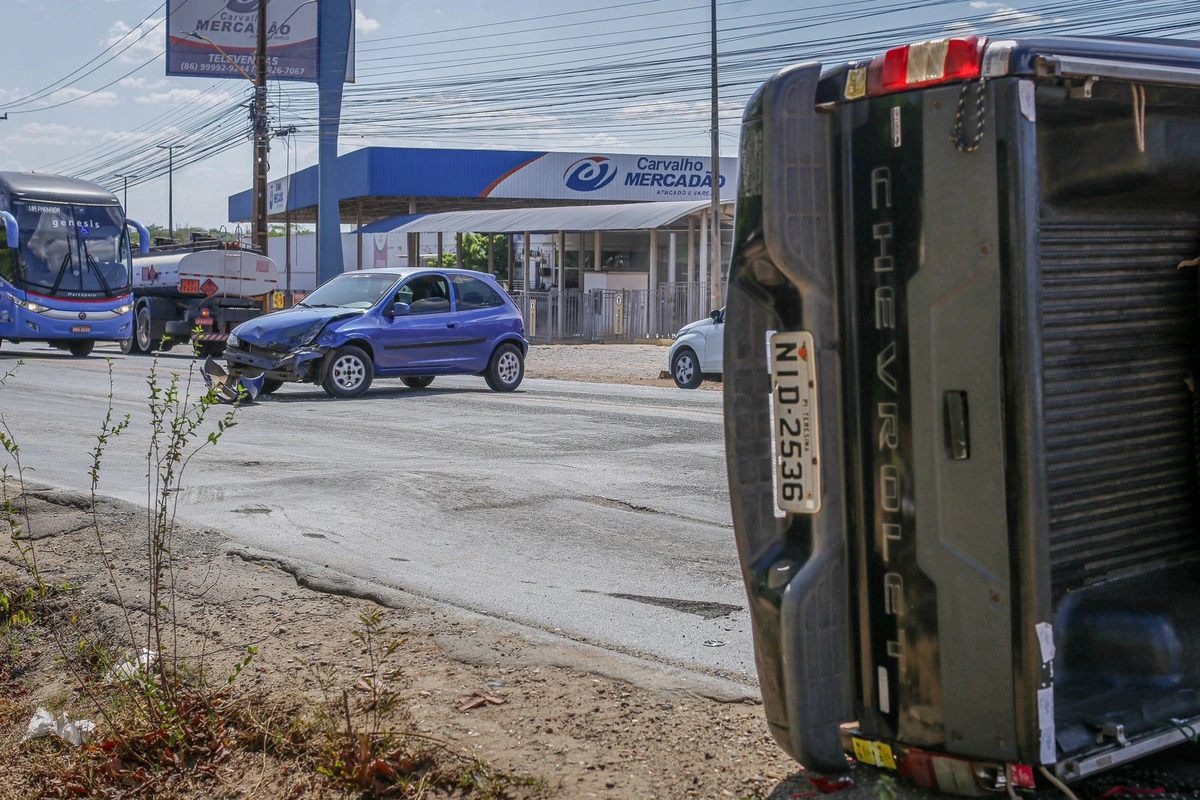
<point x="699" y="351"/>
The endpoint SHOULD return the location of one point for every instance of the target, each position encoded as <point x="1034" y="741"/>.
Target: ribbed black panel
<point x="1120" y="321"/>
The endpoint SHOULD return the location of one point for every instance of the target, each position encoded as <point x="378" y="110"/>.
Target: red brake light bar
<point x="926" y="64"/>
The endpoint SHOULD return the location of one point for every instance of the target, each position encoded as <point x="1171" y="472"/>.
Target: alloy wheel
<point x="348" y="372"/>
<point x="508" y="368"/>
<point x="685" y="369"/>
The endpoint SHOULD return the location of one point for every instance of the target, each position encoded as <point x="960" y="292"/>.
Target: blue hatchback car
<point x="410" y="324"/>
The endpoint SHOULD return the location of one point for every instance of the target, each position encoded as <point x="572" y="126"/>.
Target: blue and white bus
<point x="65" y="262"/>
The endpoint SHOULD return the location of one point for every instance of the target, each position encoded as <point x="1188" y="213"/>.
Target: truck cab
<point x="960" y="393"/>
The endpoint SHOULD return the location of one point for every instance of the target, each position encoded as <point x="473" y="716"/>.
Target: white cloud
<point x="139" y="49"/>
<point x="364" y="25"/>
<point x="51" y="134"/>
<point x="1003" y="14"/>
<point x="675" y="110"/>
<point x="82" y="97"/>
<point x="142" y="83"/>
<point x="175" y="97"/>
<point x="961" y="28"/>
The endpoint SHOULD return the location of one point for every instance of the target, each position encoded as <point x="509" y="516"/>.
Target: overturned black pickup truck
<point x="961" y="419"/>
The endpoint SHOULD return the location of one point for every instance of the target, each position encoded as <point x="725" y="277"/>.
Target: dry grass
<point x="228" y="742"/>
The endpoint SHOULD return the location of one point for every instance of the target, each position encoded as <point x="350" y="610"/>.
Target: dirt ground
<point x="573" y="720"/>
<point x="640" y="364"/>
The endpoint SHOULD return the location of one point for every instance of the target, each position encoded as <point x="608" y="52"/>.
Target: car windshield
<point x="70" y="250"/>
<point x="360" y="290"/>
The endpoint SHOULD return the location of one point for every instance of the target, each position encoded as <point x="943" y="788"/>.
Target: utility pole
<point x="287" y="206"/>
<point x="125" y="176"/>
<point x="170" y="148"/>
<point x="714" y="277"/>
<point x="262" y="138"/>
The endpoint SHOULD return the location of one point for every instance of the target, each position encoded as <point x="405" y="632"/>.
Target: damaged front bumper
<point x="304" y="364"/>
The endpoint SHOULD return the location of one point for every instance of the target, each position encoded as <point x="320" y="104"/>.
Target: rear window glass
<point x="473" y="293"/>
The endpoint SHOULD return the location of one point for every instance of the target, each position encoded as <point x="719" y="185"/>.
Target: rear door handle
<point x="451" y="324"/>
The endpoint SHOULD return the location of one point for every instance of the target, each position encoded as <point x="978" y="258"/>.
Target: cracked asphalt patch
<point x="701" y="608"/>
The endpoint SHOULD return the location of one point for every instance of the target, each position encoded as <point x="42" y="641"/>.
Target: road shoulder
<point x="584" y="720"/>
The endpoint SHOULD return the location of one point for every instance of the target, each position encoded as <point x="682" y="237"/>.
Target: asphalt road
<point x="599" y="511"/>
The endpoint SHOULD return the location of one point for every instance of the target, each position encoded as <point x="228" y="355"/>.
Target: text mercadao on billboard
<point x="213" y="38"/>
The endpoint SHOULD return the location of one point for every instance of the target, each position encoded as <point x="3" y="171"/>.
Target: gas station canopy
<point x="377" y="183"/>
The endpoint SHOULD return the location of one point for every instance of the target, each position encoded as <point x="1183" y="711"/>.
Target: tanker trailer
<point x="206" y="286"/>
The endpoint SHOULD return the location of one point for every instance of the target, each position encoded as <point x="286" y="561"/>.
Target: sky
<point x="599" y="76"/>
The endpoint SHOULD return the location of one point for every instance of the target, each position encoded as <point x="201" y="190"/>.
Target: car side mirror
<point x="400" y="310"/>
<point x="715" y="315"/>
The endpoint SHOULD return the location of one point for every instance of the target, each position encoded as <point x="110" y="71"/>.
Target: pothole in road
<point x="701" y="608"/>
<point x="313" y="535"/>
<point x="252" y="510"/>
<point x="397" y="558"/>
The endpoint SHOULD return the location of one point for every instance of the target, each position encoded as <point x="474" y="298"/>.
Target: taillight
<point x="925" y="64"/>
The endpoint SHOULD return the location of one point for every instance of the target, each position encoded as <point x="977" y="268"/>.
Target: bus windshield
<point x="71" y="251"/>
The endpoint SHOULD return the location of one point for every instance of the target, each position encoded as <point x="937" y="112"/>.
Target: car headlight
<point x="233" y="340"/>
<point x="29" y="306"/>
<point x="125" y="309"/>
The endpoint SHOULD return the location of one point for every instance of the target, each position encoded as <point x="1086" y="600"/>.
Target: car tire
<point x="129" y="346"/>
<point x="81" y="348"/>
<point x="350" y="373"/>
<point x="506" y="370"/>
<point x="270" y="386"/>
<point x="141" y="331"/>
<point x="685" y="369"/>
<point x="418" y="383"/>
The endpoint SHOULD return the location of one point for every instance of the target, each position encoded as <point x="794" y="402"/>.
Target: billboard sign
<point x="277" y="195"/>
<point x="583" y="176"/>
<point x="205" y="36"/>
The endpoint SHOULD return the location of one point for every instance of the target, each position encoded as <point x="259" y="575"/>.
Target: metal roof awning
<point x="389" y="224"/>
<point x="625" y="217"/>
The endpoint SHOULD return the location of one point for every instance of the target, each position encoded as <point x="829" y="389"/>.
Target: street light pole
<point x="262" y="138"/>
<point x="125" y="176"/>
<point x="170" y="148"/>
<point x="714" y="276"/>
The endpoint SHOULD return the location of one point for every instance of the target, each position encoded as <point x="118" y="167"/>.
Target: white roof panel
<point x="626" y="217"/>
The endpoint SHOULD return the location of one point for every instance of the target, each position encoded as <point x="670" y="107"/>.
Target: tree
<point x="475" y="254"/>
<point x="475" y="247"/>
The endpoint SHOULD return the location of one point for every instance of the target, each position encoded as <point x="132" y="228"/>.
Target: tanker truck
<point x="205" y="284"/>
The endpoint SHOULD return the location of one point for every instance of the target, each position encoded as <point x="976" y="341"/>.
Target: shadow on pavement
<point x="380" y="392"/>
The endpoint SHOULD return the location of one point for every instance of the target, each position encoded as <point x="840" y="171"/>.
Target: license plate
<point x="81" y="329"/>
<point x="794" y="436"/>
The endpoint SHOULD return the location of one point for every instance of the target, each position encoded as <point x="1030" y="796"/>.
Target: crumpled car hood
<point x="287" y="330"/>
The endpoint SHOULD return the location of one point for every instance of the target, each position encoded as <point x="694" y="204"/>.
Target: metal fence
<point x="614" y="315"/>
<point x="679" y="304"/>
<point x="610" y="315"/>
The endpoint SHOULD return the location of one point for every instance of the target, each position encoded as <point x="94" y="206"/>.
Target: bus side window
<point x="8" y="258"/>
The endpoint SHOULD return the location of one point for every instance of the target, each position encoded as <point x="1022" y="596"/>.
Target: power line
<point x="55" y="87"/>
